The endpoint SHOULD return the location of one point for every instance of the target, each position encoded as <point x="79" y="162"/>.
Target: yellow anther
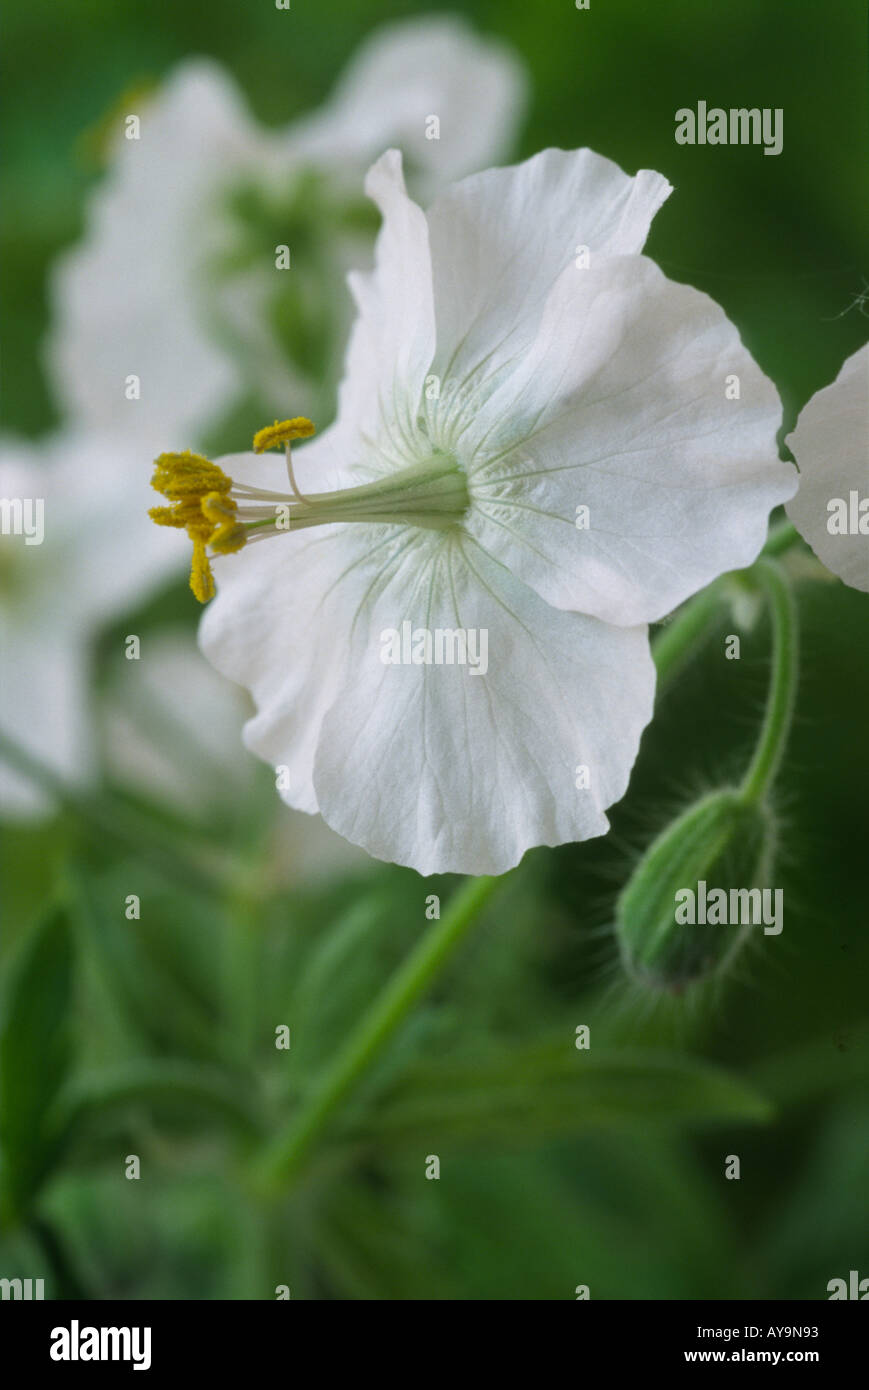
<point x="186" y="480"/>
<point x="228" y="534"/>
<point x="282" y="432"/>
<point x="180" y="476"/>
<point x="166" y="516"/>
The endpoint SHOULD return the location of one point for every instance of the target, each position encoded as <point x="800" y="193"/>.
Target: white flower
<point x="831" y="447"/>
<point x="75" y="552"/>
<point x="177" y="279"/>
<point x="561" y="386"/>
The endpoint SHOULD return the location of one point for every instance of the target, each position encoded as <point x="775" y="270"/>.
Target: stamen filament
<point x="291" y="475"/>
<point x="222" y="515"/>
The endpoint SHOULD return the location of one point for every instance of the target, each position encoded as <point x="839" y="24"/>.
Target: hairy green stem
<point x="781" y="538"/>
<point x="674" y="643"/>
<point x="782" y="687"/>
<point x="284" y="1156"/>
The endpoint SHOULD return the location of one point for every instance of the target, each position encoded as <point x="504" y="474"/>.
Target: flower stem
<point x="782" y="687"/>
<point x="674" y="643"/>
<point x="781" y="538"/>
<point x="285" y="1154"/>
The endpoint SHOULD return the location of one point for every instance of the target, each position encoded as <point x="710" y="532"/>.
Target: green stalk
<point x="782" y="687"/>
<point x="781" y="538"/>
<point x="286" y="1153"/>
<point x="674" y="643"/>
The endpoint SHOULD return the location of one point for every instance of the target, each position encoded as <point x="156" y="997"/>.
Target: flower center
<point x="220" y="516"/>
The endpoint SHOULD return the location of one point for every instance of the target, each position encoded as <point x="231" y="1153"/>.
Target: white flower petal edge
<point x="428" y="765"/>
<point x="393" y="339"/>
<point x="442" y="769"/>
<point x="620" y="406"/>
<point x="501" y="239"/>
<point x="831" y="447"/>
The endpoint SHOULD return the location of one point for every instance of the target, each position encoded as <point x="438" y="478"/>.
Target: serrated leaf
<point x="165" y="1084"/>
<point x="157" y="998"/>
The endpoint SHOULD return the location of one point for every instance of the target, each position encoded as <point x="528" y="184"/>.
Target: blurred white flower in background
<point x="171" y="733"/>
<point x="405" y="78"/>
<point x="98" y="557"/>
<point x="170" y="728"/>
<point x="831" y="446"/>
<point x="176" y="278"/>
<point x="496" y="384"/>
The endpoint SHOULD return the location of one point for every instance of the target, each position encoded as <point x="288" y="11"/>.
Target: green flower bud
<point x="723" y="841"/>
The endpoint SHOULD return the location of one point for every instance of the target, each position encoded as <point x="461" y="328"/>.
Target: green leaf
<point x="167" y="1084"/>
<point x="166" y="1002"/>
<point x="833" y="1062"/>
<point x="541" y="1091"/>
<point x="35" y="1053"/>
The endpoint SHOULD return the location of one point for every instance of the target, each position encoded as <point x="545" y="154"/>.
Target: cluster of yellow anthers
<point x="199" y="494"/>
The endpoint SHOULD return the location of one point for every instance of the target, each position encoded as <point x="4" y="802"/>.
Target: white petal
<point x="393" y="340"/>
<point x="500" y="240"/>
<point x="621" y="406"/>
<point x="449" y="771"/>
<point x="282" y="611"/>
<point x="405" y="74"/>
<point x="831" y="447"/>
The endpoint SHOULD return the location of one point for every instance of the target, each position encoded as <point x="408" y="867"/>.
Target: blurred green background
<point x="157" y="1037"/>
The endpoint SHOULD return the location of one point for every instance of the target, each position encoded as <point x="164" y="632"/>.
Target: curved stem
<point x="673" y="644"/>
<point x="286" y="1152"/>
<point x="781" y="538"/>
<point x="782" y="687"/>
